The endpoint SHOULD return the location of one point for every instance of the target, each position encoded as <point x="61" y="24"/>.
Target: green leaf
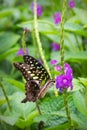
<point x="75" y="28"/>
<point x="54" y="114"/>
<point x="50" y="28"/>
<point x="72" y="42"/>
<point x="16" y="83"/>
<point x="76" y="85"/>
<point x="83" y="81"/>
<point x="49" y="106"/>
<point x="10" y="12"/>
<point x="27" y="110"/>
<point x="79" y="102"/>
<point x="7" y="40"/>
<point x="53" y="37"/>
<point x="22" y="123"/>
<point x="81" y="14"/>
<point x="78" y="56"/>
<point x="2" y="100"/>
<point x="8" y="52"/>
<point x="59" y="127"/>
<point x="5" y="13"/>
<point x="85" y="26"/>
<point x="11" y="118"/>
<point x="79" y="119"/>
<point x="70" y="56"/>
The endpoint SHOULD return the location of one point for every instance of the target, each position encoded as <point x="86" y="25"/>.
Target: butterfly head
<point x="17" y="65"/>
<point x="20" y="66"/>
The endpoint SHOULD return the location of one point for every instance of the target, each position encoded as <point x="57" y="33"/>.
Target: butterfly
<point x="37" y="78"/>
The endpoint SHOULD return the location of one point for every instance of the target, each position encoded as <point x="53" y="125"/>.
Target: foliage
<point x="14" y="17"/>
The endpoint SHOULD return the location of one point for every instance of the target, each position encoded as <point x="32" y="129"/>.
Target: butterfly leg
<point x="37" y="105"/>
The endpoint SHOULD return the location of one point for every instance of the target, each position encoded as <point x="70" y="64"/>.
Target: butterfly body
<point x="34" y="74"/>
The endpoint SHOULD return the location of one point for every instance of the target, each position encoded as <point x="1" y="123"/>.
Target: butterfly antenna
<point x="38" y="107"/>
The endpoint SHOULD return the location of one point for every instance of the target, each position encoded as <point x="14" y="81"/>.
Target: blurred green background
<point x="15" y="15"/>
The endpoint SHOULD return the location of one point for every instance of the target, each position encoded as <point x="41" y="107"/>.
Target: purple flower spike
<point x="57" y="17"/>
<point x="55" y="46"/>
<point x="62" y="81"/>
<point x="68" y="71"/>
<point x="39" y="9"/>
<point x="53" y="62"/>
<point x="65" y="80"/>
<point x="71" y="3"/>
<point x="21" y="52"/>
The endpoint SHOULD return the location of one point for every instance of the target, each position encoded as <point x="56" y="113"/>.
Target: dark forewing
<point x="25" y="69"/>
<point x="36" y="68"/>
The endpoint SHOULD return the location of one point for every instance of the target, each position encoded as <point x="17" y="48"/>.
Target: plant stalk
<point x="6" y="97"/>
<point x="37" y="105"/>
<point x="62" y="63"/>
<point x="38" y="39"/>
<point x="24" y="41"/>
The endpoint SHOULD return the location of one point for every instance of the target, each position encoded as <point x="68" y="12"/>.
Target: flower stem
<point x="38" y="108"/>
<point x="6" y="97"/>
<point x="34" y="43"/>
<point x="24" y="41"/>
<point x="62" y="36"/>
<point x="38" y="39"/>
<point x="67" y="110"/>
<point x="62" y="64"/>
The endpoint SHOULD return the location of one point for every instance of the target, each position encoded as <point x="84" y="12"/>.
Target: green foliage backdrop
<point x="14" y="17"/>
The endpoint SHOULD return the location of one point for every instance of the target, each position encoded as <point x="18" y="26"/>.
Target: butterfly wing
<point x="34" y="73"/>
<point x="32" y="69"/>
<point x="36" y="68"/>
<point x="32" y="90"/>
<point x="25" y="69"/>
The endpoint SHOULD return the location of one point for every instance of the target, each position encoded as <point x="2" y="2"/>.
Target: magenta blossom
<point x="64" y="81"/>
<point x="68" y="71"/>
<point x="57" y="17"/>
<point x="71" y="3"/>
<point x="58" y="68"/>
<point x="38" y="8"/>
<point x="26" y="29"/>
<point x="55" y="46"/>
<point x="21" y="52"/>
<point x="54" y="62"/>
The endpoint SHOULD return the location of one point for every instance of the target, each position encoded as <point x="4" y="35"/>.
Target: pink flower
<point x="64" y="81"/>
<point x="68" y="71"/>
<point x="21" y="52"/>
<point x="53" y="62"/>
<point x="39" y="9"/>
<point x="57" y="17"/>
<point x="71" y="3"/>
<point x="55" y="46"/>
